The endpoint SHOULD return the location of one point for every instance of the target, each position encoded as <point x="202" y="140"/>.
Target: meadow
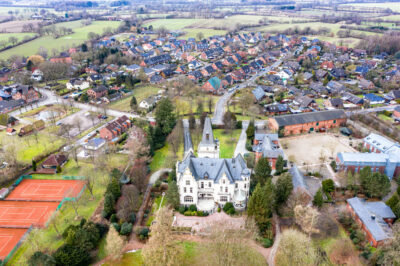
<point x="392" y="5"/>
<point x="140" y="94"/>
<point x="79" y="36"/>
<point x="19" y="36"/>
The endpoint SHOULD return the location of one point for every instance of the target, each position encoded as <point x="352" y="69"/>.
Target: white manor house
<point x="208" y="181"/>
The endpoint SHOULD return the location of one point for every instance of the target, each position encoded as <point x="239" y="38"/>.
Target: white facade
<point x="209" y="192"/>
<point x="208" y="146"/>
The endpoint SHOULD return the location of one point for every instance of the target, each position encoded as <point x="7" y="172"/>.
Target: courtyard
<point x="316" y="148"/>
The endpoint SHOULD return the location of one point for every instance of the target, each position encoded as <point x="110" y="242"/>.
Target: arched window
<point x="188" y="199"/>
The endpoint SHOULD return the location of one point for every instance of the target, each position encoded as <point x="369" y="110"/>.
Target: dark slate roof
<point x="286" y="120"/>
<point x="258" y="93"/>
<point x="297" y="178"/>
<point x="214" y="169"/>
<point x="207" y="130"/>
<point x="371" y="214"/>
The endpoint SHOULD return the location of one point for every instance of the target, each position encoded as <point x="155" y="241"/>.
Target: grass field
<point x="19" y="36"/>
<point x="394" y="6"/>
<point x="79" y="36"/>
<point x="227" y="143"/>
<point x="192" y="33"/>
<point x="140" y="93"/>
<point x="227" y="23"/>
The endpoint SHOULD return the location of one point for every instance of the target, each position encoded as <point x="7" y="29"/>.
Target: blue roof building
<point x="374" y="99"/>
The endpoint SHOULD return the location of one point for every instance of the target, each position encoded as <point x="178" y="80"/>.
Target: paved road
<point x="241" y="145"/>
<point x="277" y="240"/>
<point x="223" y="101"/>
<point x="187" y="139"/>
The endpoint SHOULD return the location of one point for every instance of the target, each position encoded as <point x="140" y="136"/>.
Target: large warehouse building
<point x="294" y="124"/>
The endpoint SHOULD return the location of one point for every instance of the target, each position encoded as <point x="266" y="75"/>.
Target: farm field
<point x="23" y="10"/>
<point x="19" y="36"/>
<point x="79" y="36"/>
<point x="16" y="26"/>
<point x="191" y="33"/>
<point x="227" y="23"/>
<point x="392" y="5"/>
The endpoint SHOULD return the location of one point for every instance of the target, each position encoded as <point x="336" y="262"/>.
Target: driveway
<point x="201" y="224"/>
<point x="241" y="145"/>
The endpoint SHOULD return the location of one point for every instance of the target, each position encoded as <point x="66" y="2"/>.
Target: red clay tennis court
<point x="8" y="239"/>
<point x="46" y="190"/>
<point x="23" y="214"/>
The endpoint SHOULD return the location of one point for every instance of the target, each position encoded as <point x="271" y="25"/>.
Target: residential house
<point x="26" y="93"/>
<point x="338" y="73"/>
<point x="98" y="92"/>
<point x="7" y="106"/>
<point x="303" y="101"/>
<point x="277" y="109"/>
<point x="115" y="128"/>
<point x="258" y="93"/>
<point x="77" y="84"/>
<point x="267" y="146"/>
<point x="334" y="103"/>
<point x="213" y="85"/>
<point x="373" y="99"/>
<point x="149" y="103"/>
<point x="54" y="161"/>
<point x="37" y="75"/>
<point x="366" y="84"/>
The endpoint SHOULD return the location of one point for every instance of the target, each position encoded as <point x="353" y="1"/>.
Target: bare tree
<point x="175" y="138"/>
<point x="306" y="218"/>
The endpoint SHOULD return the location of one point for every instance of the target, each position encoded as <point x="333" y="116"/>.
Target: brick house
<point x="214" y="84"/>
<point x="54" y="161"/>
<point x="396" y="113"/>
<point x="26" y="93"/>
<point x="98" y="92"/>
<point x="295" y="124"/>
<point x="267" y="146"/>
<point x="374" y="218"/>
<point x="115" y="128"/>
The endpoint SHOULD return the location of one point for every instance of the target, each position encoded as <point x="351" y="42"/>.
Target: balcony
<point x="206" y="190"/>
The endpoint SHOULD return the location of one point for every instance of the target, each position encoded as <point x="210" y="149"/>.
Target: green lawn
<point x="159" y="158"/>
<point x="135" y="258"/>
<point x="79" y="36"/>
<point x="141" y="92"/>
<point x="157" y="205"/>
<point x="172" y="24"/>
<point x="192" y="32"/>
<point x="227" y="143"/>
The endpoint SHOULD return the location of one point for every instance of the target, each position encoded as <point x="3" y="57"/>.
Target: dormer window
<point x="207" y="136"/>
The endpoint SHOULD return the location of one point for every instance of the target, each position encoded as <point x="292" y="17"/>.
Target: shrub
<point x="157" y="183"/>
<point x="193" y="208"/>
<point x="133" y="218"/>
<point x="229" y="209"/>
<point x="113" y="218"/>
<point x="117" y="227"/>
<point x="187" y="213"/>
<point x="267" y="243"/>
<point x="200" y="213"/>
<point x="328" y="186"/>
<point x="333" y="165"/>
<point x="126" y="229"/>
<point x="109" y="203"/>
<point x="219" y="209"/>
<point x="239" y="124"/>
<point x="144" y="233"/>
<point x="58" y="169"/>
<point x="40" y="258"/>
<point x="181" y="209"/>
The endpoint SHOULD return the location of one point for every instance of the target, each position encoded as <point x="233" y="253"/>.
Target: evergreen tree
<point x="109" y="203"/>
<point x="283" y="189"/>
<point x="41" y="259"/>
<point x="29" y="65"/>
<point x="392" y="202"/>
<point x="172" y="195"/>
<point x="34" y="165"/>
<point x="165" y="116"/>
<point x="192" y="122"/>
<point x="250" y="131"/>
<point x="260" y="205"/>
<point x="133" y="103"/>
<point x="318" y="199"/>
<point x="374" y="184"/>
<point x="280" y="163"/>
<point x="262" y="171"/>
<point x="114" y="188"/>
